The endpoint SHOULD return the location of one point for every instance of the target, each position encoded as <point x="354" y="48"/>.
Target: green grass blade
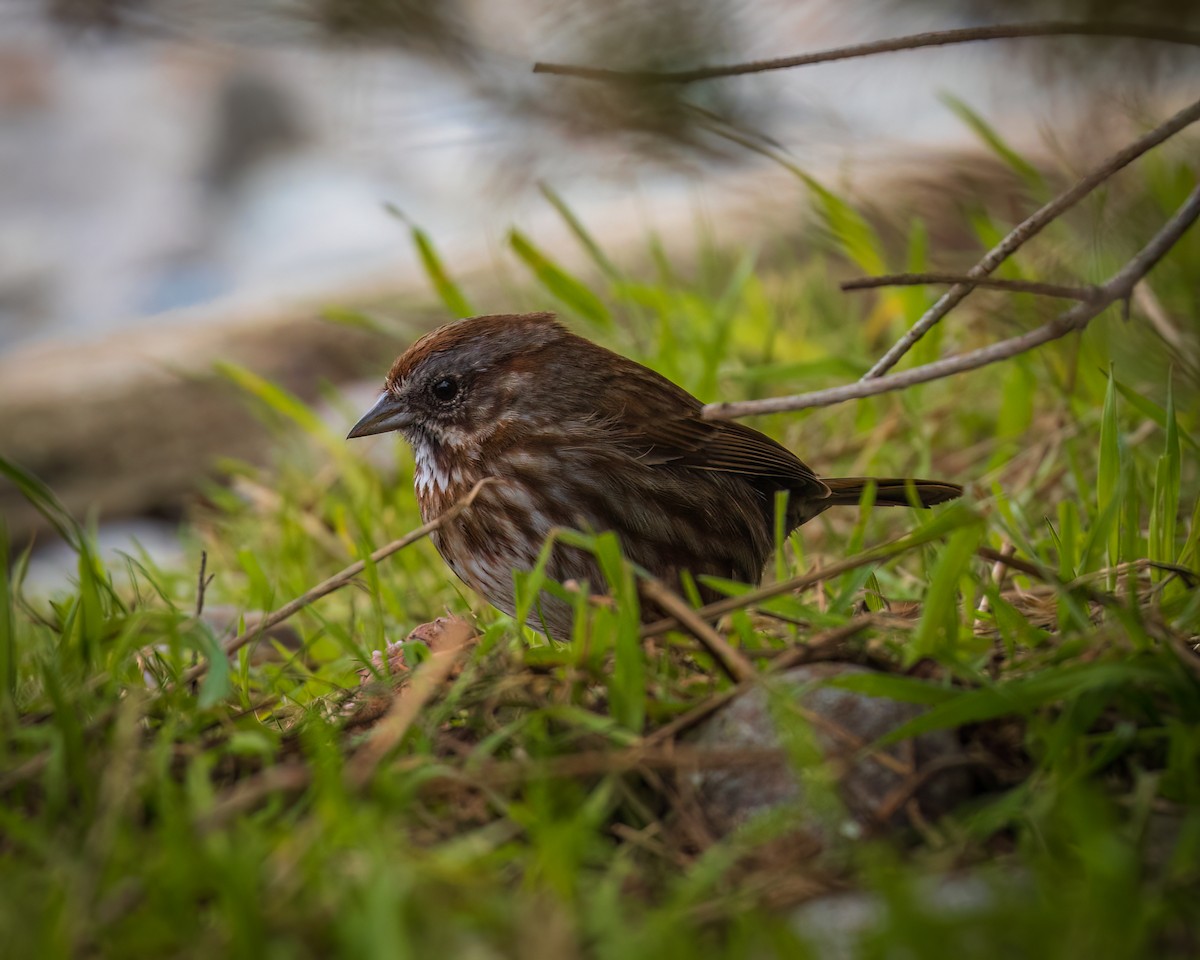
<point x="988" y="134"/>
<point x="447" y="290"/>
<point x="570" y="290"/>
<point x="940" y="619"/>
<point x="895" y="687"/>
<point x="781" y="533"/>
<point x="282" y="403"/>
<point x="1020" y="697"/>
<point x="356" y="319"/>
<point x="1164" y="508"/>
<point x="1102" y="531"/>
<point x="44" y="501"/>
<point x="8" y="630"/>
<point x="1108" y="475"/>
<point x="216" y="685"/>
<point x="627" y="689"/>
<point x="1152" y="411"/>
<point x="575" y="225"/>
<point x="1068" y="540"/>
<point x="854" y="235"/>
<point x="1189" y="554"/>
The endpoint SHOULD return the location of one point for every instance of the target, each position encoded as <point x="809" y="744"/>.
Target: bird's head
<point x="457" y="385"/>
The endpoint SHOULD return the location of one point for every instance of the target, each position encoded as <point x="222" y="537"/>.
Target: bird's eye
<point x="444" y="390"/>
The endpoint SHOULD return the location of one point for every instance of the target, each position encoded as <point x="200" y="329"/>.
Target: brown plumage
<point x="574" y="435"/>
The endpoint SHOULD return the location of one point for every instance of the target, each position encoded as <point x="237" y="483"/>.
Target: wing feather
<point x="669" y="429"/>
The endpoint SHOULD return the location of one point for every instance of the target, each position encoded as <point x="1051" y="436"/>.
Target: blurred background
<point x="191" y="181"/>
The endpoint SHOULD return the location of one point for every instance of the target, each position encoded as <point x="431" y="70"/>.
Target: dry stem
<point x="1030" y="227"/>
<point x="1085" y="294"/>
<point x="729" y="657"/>
<point x="746" y="600"/>
<point x="936" y="38"/>
<point x="1117" y="288"/>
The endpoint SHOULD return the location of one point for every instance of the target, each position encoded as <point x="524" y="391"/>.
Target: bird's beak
<point x="387" y="414"/>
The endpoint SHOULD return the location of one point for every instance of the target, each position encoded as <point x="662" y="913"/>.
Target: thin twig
<point x="912" y="784"/>
<point x="337" y="581"/>
<point x="819" y="646"/>
<point x="937" y="38"/>
<point x="1049" y="577"/>
<point x="746" y="600"/>
<point x="1135" y="566"/>
<point x="1030" y="227"/>
<point x="1021" y="233"/>
<point x="729" y="657"/>
<point x="857" y="744"/>
<point x="1085" y="294"/>
<point x="1115" y="290"/>
<point x="202" y="582"/>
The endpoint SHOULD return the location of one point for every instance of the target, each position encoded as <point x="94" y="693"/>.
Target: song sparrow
<point x="574" y="435"/>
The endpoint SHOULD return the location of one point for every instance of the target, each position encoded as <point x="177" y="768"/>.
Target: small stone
<point x="871" y="785"/>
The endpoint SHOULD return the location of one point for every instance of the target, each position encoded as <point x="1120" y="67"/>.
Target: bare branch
<point x="1029" y="228"/>
<point x="744" y="601"/>
<point x="1086" y="294"/>
<point x="937" y="38"/>
<point x="1117" y="289"/>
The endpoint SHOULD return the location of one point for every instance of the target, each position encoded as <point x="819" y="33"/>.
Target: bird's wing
<point x="668" y="429"/>
<point x="725" y="447"/>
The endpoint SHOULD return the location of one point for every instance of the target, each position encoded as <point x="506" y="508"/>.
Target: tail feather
<point x="891" y="491"/>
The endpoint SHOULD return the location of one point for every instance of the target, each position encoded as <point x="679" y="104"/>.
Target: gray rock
<point x="855" y="790"/>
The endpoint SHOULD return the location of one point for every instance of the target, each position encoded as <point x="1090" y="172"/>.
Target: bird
<point x="570" y="434"/>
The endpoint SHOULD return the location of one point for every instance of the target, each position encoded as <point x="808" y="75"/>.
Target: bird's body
<point x="573" y="435"/>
